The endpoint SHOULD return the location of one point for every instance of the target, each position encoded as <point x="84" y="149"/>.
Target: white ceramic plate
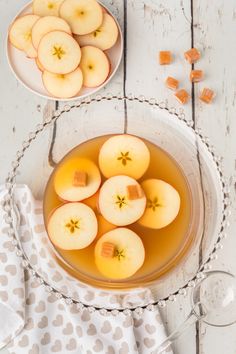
<point x="28" y="74"/>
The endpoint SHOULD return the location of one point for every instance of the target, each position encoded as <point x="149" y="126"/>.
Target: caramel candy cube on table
<point x="182" y="96"/>
<point x="134" y="191"/>
<point x="196" y="75"/>
<point x="206" y="95"/>
<point x="165" y="57"/>
<point x="80" y="179"/>
<point x="108" y="250"/>
<point x="192" y="55"/>
<point x="172" y="83"/>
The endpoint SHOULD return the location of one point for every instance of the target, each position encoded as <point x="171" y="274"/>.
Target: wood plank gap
<point x="51" y="161"/>
<point x="198" y="324"/>
<point x="192" y="46"/>
<point x="194" y="125"/>
<point x="125" y="64"/>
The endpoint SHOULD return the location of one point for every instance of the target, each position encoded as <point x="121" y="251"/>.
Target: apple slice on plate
<point x="72" y="226"/>
<point x="39" y="65"/>
<point x="103" y="37"/>
<point x="63" y="85"/>
<point x="20" y="34"/>
<point x="59" y="53"/>
<point x="94" y="65"/>
<point x="83" y="16"/>
<point x="31" y="52"/>
<point x="47" y="24"/>
<point x="46" y="7"/>
<point x="163" y="204"/>
<point x="119" y="253"/>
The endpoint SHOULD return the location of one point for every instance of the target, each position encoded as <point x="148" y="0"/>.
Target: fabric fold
<point x="49" y="324"/>
<point x="12" y="287"/>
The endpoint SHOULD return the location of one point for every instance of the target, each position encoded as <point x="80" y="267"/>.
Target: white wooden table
<point x="150" y="26"/>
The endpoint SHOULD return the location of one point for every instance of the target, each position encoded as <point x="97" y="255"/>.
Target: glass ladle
<point x="213" y="301"/>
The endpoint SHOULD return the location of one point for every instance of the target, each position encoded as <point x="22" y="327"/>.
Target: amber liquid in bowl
<point x="164" y="248"/>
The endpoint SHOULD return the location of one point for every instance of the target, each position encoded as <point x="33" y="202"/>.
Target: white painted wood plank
<point x="20" y="110"/>
<point x="4" y="351"/>
<point x="153" y="26"/>
<point x="215" y="26"/>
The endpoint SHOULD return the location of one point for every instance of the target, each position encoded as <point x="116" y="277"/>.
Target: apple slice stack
<point x="67" y="39"/>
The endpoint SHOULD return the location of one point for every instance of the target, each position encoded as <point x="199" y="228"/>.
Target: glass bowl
<point x="169" y="129"/>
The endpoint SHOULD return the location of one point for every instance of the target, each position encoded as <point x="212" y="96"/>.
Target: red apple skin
<point x="104" y="10"/>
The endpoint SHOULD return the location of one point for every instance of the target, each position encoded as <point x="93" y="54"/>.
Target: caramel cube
<point x="196" y="75"/>
<point x="108" y="250"/>
<point x="134" y="191"/>
<point x="206" y="95"/>
<point x="172" y="83"/>
<point x="80" y="179"/>
<point x="182" y="96"/>
<point x="165" y="57"/>
<point x="192" y="55"/>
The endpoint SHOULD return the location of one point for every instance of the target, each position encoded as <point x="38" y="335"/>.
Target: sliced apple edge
<point x="63" y="85"/>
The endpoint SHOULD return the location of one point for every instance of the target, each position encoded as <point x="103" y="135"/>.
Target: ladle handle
<point x="193" y="317"/>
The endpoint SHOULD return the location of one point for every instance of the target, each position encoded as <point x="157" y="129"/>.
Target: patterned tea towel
<point x="35" y="321"/>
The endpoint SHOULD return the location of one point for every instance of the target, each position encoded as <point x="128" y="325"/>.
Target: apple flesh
<point x="103" y="37"/>
<point x="83" y="16"/>
<point x="59" y="53"/>
<point x="64" y="177"/>
<point x="163" y="204"/>
<point x="115" y="204"/>
<point x="46" y="7"/>
<point x="31" y="52"/>
<point x="129" y="254"/>
<point x="124" y="155"/>
<point x="20" y="33"/>
<point x="63" y="85"/>
<point x="47" y="24"/>
<point x="94" y="65"/>
<point x="72" y="226"/>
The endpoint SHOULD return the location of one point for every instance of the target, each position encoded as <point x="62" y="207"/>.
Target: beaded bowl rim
<point x="9" y="218"/>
